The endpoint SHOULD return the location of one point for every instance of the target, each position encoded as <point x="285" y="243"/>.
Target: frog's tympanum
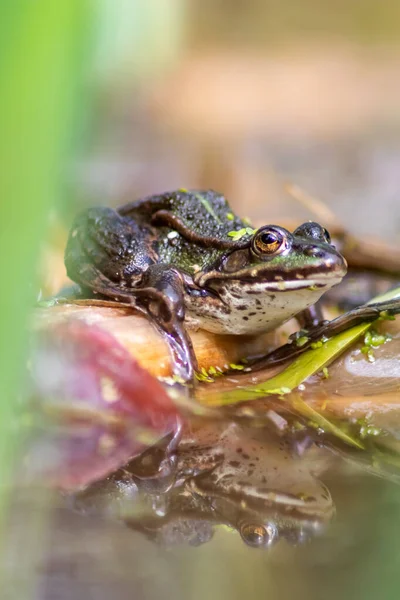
<point x="248" y="479"/>
<point x="184" y="258"/>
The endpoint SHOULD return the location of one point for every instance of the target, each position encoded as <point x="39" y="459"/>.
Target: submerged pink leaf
<point x="103" y="408"/>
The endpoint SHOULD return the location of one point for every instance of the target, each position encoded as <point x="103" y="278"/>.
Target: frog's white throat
<point x="249" y="308"/>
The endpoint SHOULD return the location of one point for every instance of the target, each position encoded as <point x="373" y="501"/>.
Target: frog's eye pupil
<point x="268" y="238"/>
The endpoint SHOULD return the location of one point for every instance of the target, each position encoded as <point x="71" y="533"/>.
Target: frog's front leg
<point x="162" y="298"/>
<point x="311" y="316"/>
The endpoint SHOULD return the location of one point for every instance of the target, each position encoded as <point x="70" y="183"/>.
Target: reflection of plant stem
<point x="305" y="410"/>
<point x="375" y="459"/>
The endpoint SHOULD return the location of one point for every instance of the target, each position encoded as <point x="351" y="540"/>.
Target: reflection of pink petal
<point x="101" y="398"/>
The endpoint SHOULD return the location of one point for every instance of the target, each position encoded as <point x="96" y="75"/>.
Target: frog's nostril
<point x="313" y="251"/>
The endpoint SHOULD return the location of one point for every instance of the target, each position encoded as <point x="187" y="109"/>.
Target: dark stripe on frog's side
<point x="183" y="213"/>
<point x="175" y="224"/>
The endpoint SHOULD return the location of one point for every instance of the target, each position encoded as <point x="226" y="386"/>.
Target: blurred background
<point x="243" y="96"/>
<point x="107" y="101"/>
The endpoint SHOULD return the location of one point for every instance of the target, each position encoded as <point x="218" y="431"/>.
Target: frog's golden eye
<point x="268" y="241"/>
<point x="257" y="536"/>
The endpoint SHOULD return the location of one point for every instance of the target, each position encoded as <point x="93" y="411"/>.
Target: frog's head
<point x="262" y="513"/>
<point x="273" y="275"/>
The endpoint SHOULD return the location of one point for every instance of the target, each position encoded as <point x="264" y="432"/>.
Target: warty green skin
<point x="207" y="214"/>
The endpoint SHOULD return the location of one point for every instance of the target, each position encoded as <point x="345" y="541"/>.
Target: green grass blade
<point x="310" y="362"/>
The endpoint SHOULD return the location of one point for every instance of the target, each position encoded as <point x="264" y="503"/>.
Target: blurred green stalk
<point x="42" y="47"/>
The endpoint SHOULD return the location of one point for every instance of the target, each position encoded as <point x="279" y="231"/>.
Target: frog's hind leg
<point x="102" y="251"/>
<point x="99" y="253"/>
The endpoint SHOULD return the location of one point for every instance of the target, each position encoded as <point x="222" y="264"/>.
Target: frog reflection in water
<point x="246" y="478"/>
<point x="183" y="258"/>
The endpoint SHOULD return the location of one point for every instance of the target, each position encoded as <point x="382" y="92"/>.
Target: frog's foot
<point x="161" y="299"/>
<point x="154" y="471"/>
<point x="327" y="329"/>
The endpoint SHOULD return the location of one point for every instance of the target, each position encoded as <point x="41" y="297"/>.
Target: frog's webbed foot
<point x="326" y="329"/>
<point x="161" y="298"/>
<point x="156" y="468"/>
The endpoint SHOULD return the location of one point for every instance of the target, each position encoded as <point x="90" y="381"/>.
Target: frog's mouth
<point x="279" y="284"/>
<point x="324" y="280"/>
<point x="279" y="280"/>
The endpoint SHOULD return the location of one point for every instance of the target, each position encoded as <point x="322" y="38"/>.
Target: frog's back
<point x="204" y="212"/>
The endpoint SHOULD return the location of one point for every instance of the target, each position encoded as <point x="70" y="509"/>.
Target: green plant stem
<point x="42" y="45"/>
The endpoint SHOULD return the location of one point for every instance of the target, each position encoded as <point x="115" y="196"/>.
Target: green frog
<point x="183" y="258"/>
